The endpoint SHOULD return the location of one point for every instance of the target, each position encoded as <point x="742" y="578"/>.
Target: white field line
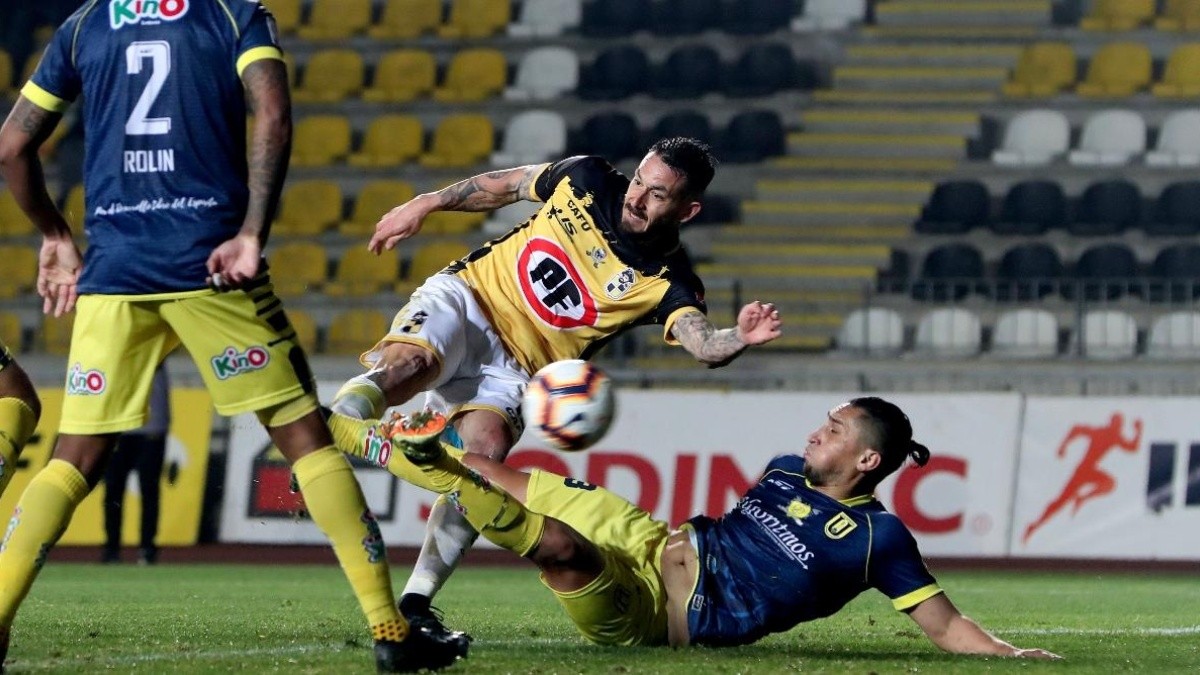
<point x="1169" y="631"/>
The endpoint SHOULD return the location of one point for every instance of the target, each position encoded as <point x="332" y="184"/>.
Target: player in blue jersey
<point x="178" y="213"/>
<point x="806" y="539"/>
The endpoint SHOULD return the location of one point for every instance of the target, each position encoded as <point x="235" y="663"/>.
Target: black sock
<point x="412" y="604"/>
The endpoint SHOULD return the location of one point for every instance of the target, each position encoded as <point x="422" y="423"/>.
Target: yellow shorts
<point x="242" y="343"/>
<point x="627" y="603"/>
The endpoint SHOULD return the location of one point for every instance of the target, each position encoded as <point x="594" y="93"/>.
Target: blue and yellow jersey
<point x="566" y="281"/>
<point x="164" y="116"/>
<point x="788" y="553"/>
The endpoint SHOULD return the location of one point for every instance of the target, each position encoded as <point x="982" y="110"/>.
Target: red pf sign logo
<point x="552" y="286"/>
<point x="1089" y="481"/>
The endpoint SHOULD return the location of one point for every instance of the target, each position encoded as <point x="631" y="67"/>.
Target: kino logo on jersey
<point x="554" y="289"/>
<point x="123" y="12"/>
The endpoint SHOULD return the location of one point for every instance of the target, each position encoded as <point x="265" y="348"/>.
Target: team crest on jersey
<point x="839" y="526"/>
<point x="553" y="287"/>
<point x="598" y="256"/>
<point x="618" y="286"/>
<point x="797" y="510"/>
<point x="129" y="12"/>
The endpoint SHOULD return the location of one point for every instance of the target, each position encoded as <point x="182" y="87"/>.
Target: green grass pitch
<point x="303" y="619"/>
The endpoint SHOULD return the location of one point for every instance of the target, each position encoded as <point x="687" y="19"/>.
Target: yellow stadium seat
<point x="373" y="201"/>
<point x="473" y="75"/>
<point x="1043" y="69"/>
<point x="12" y="335"/>
<point x="1113" y="15"/>
<point x="336" y="19"/>
<point x="453" y="222"/>
<point x="1181" y="77"/>
<point x="20" y="270"/>
<point x="402" y="75"/>
<point x="13" y="221"/>
<point x="459" y="141"/>
<point x="73" y="208"/>
<point x="390" y="140"/>
<point x="331" y="75"/>
<point x="309" y="207"/>
<point x="1118" y="69"/>
<point x="476" y="19"/>
<point x="354" y="331"/>
<point x="407" y="19"/>
<point x="6" y="72"/>
<point x="297" y="267"/>
<point x="305" y="327"/>
<point x="361" y="272"/>
<point x="56" y="333"/>
<point x="321" y="140"/>
<point x="428" y="260"/>
<point x="1179" y="15"/>
<point x="287" y="14"/>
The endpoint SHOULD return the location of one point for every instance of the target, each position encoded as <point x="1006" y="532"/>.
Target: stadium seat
<point x="1107" y="207"/>
<point x="330" y="76"/>
<point x="20" y="270"/>
<point x="684" y="17"/>
<point x="949" y="332"/>
<point x="762" y="69"/>
<point x="752" y="136"/>
<point x="13" y="221"/>
<point x="504" y="219"/>
<point x="1175" y="335"/>
<point x="473" y="19"/>
<point x="1181" y="76"/>
<point x="1031" y="208"/>
<point x="407" y="19"/>
<point x="297" y="267"/>
<point x="321" y="140"/>
<point x="954" y="208"/>
<point x="819" y="15"/>
<point x="372" y="202"/>
<point x="614" y="18"/>
<point x="949" y="272"/>
<point x="872" y="331"/>
<point x="755" y="17"/>
<point x="612" y="135"/>
<point x="1118" y="69"/>
<point x="402" y="75"/>
<point x="460" y="140"/>
<point x="689" y="71"/>
<point x="1025" y="334"/>
<point x="354" y="331"/>
<point x="390" y="140"/>
<point x="1043" y="69"/>
<point x="1178" y="142"/>
<point x="544" y="73"/>
<point x="336" y="19"/>
<point x="1179" y="15"/>
<point x="287" y="14"/>
<point x="55" y="336"/>
<point x="688" y="123"/>
<point x="546" y="18"/>
<point x="1110" y="138"/>
<point x="616" y="74"/>
<point x="1034" y="138"/>
<point x="73" y="207"/>
<point x="1118" y="15"/>
<point x="360" y="272"/>
<point x="453" y="222"/>
<point x="1175" y="274"/>
<point x="12" y="334"/>
<point x="473" y="75"/>
<point x="1176" y="211"/>
<point x="532" y="137"/>
<point x="306" y="329"/>
<point x="428" y="260"/>
<point x="308" y="207"/>
<point x="1102" y="272"/>
<point x="1028" y="271"/>
<point x="6" y="73"/>
<point x="1108" y="334"/>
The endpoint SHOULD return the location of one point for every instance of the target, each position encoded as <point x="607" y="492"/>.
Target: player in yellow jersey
<point x="20" y="409"/>
<point x="600" y="256"/>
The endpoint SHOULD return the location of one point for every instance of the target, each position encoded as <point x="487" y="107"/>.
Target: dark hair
<point x="891" y="433"/>
<point x="690" y="157"/>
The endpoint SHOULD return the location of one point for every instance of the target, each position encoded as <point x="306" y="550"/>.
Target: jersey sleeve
<point x="588" y="172"/>
<point x="258" y="38"/>
<point x="56" y="82"/>
<point x="686" y="293"/>
<point x="895" y="566"/>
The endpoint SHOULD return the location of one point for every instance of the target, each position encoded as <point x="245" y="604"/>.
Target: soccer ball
<point x="570" y="404"/>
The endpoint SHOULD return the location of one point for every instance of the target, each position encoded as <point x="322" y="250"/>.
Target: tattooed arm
<point x="236" y="261"/>
<point x="485" y="192"/>
<point x="757" y="323"/>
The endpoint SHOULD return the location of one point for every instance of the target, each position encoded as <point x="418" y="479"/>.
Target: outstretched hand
<point x="395" y="226"/>
<point x="234" y="263"/>
<point x="59" y="264"/>
<point x="758" y="323"/>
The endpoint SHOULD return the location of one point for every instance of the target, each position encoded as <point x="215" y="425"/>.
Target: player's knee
<point x="405" y="364"/>
<point x="563" y="548"/>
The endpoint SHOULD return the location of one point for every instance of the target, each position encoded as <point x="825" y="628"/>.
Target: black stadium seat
<point x="684" y="17"/>
<point x="949" y="272"/>
<point x="689" y="123"/>
<point x="614" y="18"/>
<point x="616" y="73"/>
<point x="1032" y="207"/>
<point x="1106" y="208"/>
<point x="1176" y="211"/>
<point x="752" y="136"/>
<point x="954" y="207"/>
<point x="1103" y="272"/>
<point x="689" y="71"/>
<point x="762" y="69"/>
<point x="755" y="17"/>
<point x="613" y="135"/>
<point x="1029" y="271"/>
<point x="1175" y="273"/>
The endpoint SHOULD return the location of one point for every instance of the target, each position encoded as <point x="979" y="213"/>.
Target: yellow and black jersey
<point x="568" y="280"/>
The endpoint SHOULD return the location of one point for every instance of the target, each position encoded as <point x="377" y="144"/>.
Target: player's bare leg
<point x="679" y="569"/>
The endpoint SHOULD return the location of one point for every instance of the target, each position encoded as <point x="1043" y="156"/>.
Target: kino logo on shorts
<point x="82" y="382"/>
<point x="231" y="362"/>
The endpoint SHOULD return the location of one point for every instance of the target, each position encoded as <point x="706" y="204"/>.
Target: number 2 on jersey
<point x="159" y="54"/>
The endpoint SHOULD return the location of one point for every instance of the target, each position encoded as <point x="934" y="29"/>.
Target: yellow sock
<point x="17" y="423"/>
<point x="364" y="439"/>
<point x="336" y="504"/>
<point x="37" y="522"/>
